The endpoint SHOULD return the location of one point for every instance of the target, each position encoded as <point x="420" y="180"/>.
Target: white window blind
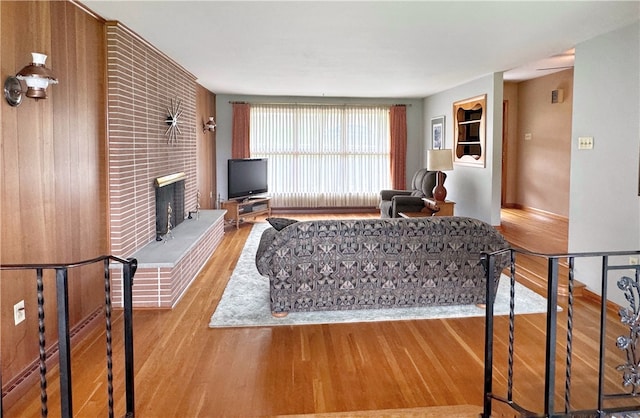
<point x="323" y="156"/>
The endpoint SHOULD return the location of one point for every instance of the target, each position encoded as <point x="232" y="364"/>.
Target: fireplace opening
<point x="169" y="203"/>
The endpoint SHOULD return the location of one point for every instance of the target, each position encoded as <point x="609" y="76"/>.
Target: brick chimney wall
<point x="141" y="84"/>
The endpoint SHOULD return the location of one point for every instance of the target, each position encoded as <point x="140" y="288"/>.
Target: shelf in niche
<point x="469" y="131"/>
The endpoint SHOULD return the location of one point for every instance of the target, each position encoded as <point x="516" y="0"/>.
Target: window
<point x="323" y="155"/>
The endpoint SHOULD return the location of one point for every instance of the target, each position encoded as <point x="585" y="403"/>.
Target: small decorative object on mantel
<point x="174" y="112"/>
<point x="169" y="224"/>
<point x="197" y="211"/>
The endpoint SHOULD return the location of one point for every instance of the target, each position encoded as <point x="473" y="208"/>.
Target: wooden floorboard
<point x="185" y="369"/>
<point x="535" y="231"/>
<point x="458" y="411"/>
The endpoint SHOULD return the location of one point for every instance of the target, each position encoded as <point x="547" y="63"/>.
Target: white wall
<point x="224" y="113"/>
<point x="475" y="190"/>
<point x="604" y="208"/>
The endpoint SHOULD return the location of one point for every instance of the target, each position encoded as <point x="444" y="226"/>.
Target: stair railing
<point x="129" y="267"/>
<point x="630" y="372"/>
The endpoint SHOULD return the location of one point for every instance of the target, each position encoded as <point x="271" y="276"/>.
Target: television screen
<point x="246" y="177"/>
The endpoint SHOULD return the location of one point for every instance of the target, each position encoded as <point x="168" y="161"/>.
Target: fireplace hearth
<point x="170" y="195"/>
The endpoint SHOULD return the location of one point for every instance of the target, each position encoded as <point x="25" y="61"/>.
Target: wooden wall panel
<point x="54" y="159"/>
<point x="53" y="196"/>
<point x="206" y="165"/>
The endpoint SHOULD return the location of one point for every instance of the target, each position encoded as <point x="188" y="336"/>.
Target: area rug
<point x="245" y="301"/>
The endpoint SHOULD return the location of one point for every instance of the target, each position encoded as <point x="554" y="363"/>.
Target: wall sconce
<point x="557" y="96"/>
<point x="36" y="76"/>
<point x="210" y="126"/>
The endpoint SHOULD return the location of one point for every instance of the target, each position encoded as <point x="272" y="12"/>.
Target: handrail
<point x="631" y="373"/>
<point x="129" y="267"/>
<point x="52" y="266"/>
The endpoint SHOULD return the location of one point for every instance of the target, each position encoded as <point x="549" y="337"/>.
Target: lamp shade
<point x="439" y="160"/>
<point x="37" y="77"/>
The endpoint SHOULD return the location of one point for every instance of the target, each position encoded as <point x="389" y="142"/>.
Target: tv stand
<point x="239" y="210"/>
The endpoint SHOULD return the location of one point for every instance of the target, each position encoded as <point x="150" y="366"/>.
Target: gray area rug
<point x="245" y="301"/>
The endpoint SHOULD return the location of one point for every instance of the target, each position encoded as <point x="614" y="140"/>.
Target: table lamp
<point x="439" y="160"/>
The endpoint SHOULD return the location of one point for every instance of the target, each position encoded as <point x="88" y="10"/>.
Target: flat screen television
<point x="246" y="177"/>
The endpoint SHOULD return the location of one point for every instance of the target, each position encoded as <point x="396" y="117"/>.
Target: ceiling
<point x="379" y="49"/>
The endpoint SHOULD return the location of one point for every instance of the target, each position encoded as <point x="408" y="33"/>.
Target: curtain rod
<point x="323" y="104"/>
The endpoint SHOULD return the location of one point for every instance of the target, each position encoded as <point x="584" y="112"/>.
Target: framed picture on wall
<point x="437" y="132"/>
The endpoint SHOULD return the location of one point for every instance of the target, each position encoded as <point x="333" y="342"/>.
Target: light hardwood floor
<point x="185" y="369"/>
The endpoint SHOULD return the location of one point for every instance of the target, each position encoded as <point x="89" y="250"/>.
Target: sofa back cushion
<point x="439" y="252"/>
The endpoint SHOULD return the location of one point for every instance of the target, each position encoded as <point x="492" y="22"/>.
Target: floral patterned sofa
<point x="376" y="263"/>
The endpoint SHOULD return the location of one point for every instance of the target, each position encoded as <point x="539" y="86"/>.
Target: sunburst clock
<point x="174" y="111"/>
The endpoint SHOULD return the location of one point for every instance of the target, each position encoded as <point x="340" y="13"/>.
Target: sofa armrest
<point x="389" y="194"/>
<point x="431" y="204"/>
<point x="264" y="249"/>
<point x="408" y="201"/>
<point x="408" y="204"/>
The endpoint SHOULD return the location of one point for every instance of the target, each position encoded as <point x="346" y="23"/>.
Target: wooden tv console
<point x="239" y="210"/>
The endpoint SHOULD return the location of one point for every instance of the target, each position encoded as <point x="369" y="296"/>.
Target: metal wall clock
<point x="174" y="111"/>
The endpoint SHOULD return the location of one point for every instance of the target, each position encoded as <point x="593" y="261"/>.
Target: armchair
<point x="392" y="202"/>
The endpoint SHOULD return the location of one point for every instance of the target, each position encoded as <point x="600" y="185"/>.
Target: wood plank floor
<point x="185" y="369"/>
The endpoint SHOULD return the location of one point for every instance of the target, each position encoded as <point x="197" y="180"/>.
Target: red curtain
<point x="240" y="132"/>
<point x="398" y="119"/>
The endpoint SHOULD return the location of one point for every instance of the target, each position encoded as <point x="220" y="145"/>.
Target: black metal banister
<point x="129" y="267"/>
<point x="569" y="349"/>
<point x="630" y="343"/>
<point x="53" y="266"/>
<point x="550" y="349"/>
<point x="64" y="342"/>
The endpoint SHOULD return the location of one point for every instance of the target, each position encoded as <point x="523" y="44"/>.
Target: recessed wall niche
<point x="469" y="116"/>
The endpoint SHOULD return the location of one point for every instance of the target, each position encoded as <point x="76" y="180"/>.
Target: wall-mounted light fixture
<point x="557" y="96"/>
<point x="36" y="76"/>
<point x="210" y="126"/>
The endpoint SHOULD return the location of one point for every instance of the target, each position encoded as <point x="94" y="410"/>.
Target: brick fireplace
<point x="141" y="85"/>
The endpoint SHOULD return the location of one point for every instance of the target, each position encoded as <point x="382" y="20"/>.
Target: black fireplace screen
<point x="169" y="206"/>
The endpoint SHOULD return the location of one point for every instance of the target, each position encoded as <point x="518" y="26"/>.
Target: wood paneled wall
<point x="53" y="187"/>
<point x="54" y="155"/>
<point x="206" y="107"/>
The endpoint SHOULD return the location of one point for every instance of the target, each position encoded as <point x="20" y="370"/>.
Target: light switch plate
<point x="585" y="142"/>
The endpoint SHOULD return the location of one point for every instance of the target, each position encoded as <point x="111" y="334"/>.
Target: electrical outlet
<point x="633" y="261"/>
<point x="18" y="312"/>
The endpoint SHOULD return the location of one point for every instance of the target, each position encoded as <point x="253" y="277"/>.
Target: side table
<point x="442" y="208"/>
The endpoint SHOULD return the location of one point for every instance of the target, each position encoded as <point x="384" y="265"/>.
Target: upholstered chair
<point x="392" y="202"/>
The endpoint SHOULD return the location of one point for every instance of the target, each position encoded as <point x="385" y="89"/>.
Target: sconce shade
<point x="210" y="126"/>
<point x="37" y="77"/>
